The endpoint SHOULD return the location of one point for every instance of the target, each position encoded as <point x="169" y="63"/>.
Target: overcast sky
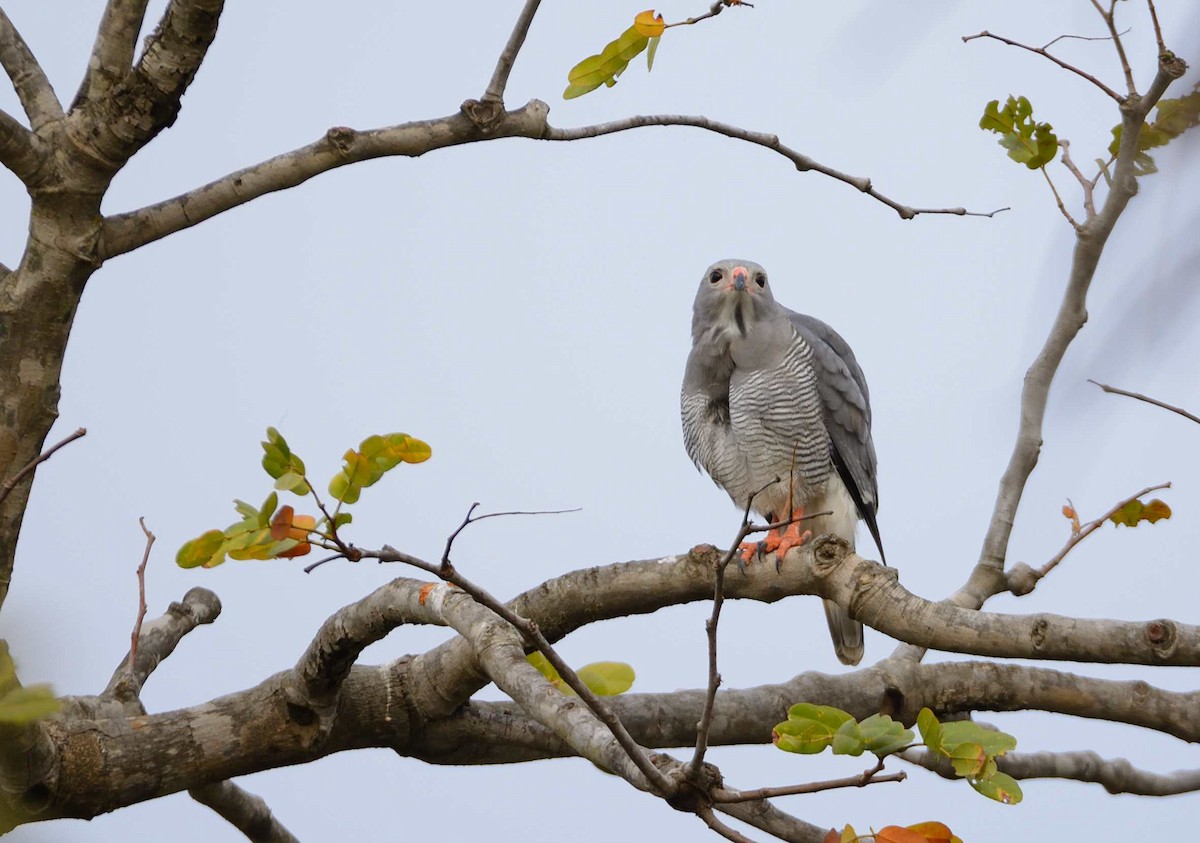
<point x="524" y="307"/>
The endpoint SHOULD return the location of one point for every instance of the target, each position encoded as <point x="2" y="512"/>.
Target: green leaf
<point x="848" y="739"/>
<point x="278" y="460"/>
<point x="376" y="455"/>
<point x="809" y="728"/>
<point x="1028" y="142"/>
<point x="930" y="729"/>
<point x="604" y="67"/>
<point x="991" y="741"/>
<point x="268" y="509"/>
<point x="607" y="679"/>
<point x="1000" y="787"/>
<point x="969" y="759"/>
<point x="25" y="705"/>
<point x="543" y="666"/>
<point x="651" y="51"/>
<point x="342" y="519"/>
<point x="204" y="551"/>
<point x="882" y="735"/>
<point x="1135" y="512"/>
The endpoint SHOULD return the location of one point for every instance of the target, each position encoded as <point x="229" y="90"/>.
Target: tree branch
<point x="158" y="640"/>
<point x="12" y="482"/>
<point x="802" y="162"/>
<point x="504" y="65"/>
<point x="113" y="50"/>
<point x="111" y="130"/>
<point x="1116" y="774"/>
<point x="1113" y="390"/>
<point x="1041" y="51"/>
<point x="247" y="813"/>
<point x="29" y="80"/>
<point x="20" y="150"/>
<point x="988" y="578"/>
<point x="341" y="146"/>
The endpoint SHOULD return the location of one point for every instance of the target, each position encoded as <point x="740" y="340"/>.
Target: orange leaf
<point x="301" y="549"/>
<point x="1069" y="513"/>
<point x="281" y="524"/>
<point x="833" y="836"/>
<point x="896" y="834"/>
<point x="649" y="24"/>
<point x="933" y="831"/>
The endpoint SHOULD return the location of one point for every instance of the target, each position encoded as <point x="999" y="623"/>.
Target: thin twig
<point x="802" y="162"/>
<point x="710" y="819"/>
<point x="245" y="811"/>
<point x="710" y="628"/>
<point x="1110" y="22"/>
<point x="863" y="779"/>
<point x="1147" y="399"/>
<point x="1041" y="51"/>
<point x="1054" y="41"/>
<point x="504" y="65"/>
<point x="471" y="519"/>
<point x="1058" y="200"/>
<point x="141" y="613"/>
<point x="11" y="484"/>
<point x="1088" y="186"/>
<point x="1162" y="47"/>
<point x="714" y="10"/>
<point x="1091" y="527"/>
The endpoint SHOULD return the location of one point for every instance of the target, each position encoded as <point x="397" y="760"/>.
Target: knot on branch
<point x="693" y="788"/>
<point x="486" y="115"/>
<point x="341" y="138"/>
<point x="829" y="551"/>
<point x="1021" y="579"/>
<point x="202" y="605"/>
<point x="1172" y="65"/>
<point x="1163" y="636"/>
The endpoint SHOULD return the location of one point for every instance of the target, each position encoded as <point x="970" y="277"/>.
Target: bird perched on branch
<point x="770" y="393"/>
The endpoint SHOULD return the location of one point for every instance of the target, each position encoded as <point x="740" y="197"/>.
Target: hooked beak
<point x="738" y="279"/>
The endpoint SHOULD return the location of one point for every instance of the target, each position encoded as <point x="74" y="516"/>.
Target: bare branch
<point x="1110" y="22"/>
<point x="112" y="52"/>
<point x="1059" y="202"/>
<point x="1116" y="774"/>
<point x="1054" y="41"/>
<point x="1115" y="391"/>
<point x="504" y="66"/>
<point x="12" y="482"/>
<point x="32" y="87"/>
<point x="158" y="640"/>
<point x="247" y="813"/>
<point x="802" y="162"/>
<point x="341" y="146"/>
<point x="20" y="150"/>
<point x="141" y="612"/>
<point x="863" y="779"/>
<point x="1158" y="36"/>
<point x="705" y="813"/>
<point x="1041" y="51"/>
<point x="1088" y="186"/>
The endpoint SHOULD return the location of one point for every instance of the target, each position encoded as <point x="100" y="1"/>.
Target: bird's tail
<point x="847" y="634"/>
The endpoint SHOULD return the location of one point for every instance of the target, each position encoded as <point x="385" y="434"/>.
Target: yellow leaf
<point x="649" y="24"/>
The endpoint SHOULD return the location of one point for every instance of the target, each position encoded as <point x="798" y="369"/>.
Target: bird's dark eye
<point x="714" y="277"/>
<point x="760" y="280"/>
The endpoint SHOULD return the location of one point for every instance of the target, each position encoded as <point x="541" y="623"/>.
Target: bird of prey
<point x="769" y="393"/>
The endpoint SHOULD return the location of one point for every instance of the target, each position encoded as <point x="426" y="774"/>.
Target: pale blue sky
<point x="524" y="308"/>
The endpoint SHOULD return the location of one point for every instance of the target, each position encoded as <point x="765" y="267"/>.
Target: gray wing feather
<point x="847" y="413"/>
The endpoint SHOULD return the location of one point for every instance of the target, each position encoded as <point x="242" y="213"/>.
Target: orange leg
<point x="777" y="541"/>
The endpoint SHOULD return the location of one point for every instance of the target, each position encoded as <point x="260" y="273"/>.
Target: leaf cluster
<point x="1172" y="118"/>
<point x="926" y="832"/>
<point x="274" y="532"/>
<point x="1028" y="142"/>
<point x="604" y="67"/>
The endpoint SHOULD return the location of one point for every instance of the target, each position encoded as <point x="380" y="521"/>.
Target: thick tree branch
<point x="109" y="131"/>
<point x="29" y="80"/>
<point x="341" y="146"/>
<point x="113" y="50"/>
<point x="247" y="813"/>
<point x="504" y="65"/>
<point x="20" y="150"/>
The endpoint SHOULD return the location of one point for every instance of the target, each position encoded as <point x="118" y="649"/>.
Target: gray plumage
<point x="767" y="390"/>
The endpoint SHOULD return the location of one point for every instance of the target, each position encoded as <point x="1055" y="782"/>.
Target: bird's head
<point x="734" y="297"/>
